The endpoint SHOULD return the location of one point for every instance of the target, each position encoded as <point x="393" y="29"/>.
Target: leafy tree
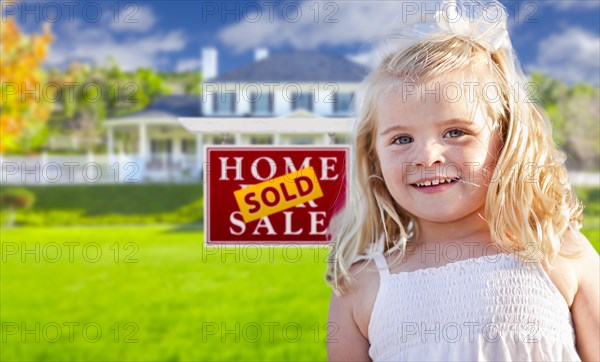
<point x="22" y="117"/>
<point x="91" y="94"/>
<point x="574" y="112"/>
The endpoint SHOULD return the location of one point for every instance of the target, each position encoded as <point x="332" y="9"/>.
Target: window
<point x="223" y="139"/>
<point x="224" y="103"/>
<point x="188" y="146"/>
<point x="342" y="139"/>
<point x="302" y="100"/>
<point x="261" y="140"/>
<point x="160" y="146"/>
<point x="342" y="102"/>
<point x="262" y="103"/>
<point x="159" y="149"/>
<point x="302" y="140"/>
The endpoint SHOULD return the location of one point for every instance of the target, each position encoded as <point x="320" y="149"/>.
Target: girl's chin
<point x="438" y="215"/>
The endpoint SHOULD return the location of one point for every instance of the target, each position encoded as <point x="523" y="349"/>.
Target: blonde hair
<point x="526" y="215"/>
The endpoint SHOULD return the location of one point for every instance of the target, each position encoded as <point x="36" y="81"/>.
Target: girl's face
<point x="436" y="149"/>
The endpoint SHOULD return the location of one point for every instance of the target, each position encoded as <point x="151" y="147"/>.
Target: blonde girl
<point x="461" y="237"/>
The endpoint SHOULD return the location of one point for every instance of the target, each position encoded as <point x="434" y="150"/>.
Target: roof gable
<point x="298" y="66"/>
<point x="170" y="107"/>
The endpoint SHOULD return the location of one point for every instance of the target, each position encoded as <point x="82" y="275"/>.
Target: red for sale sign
<point x="272" y="195"/>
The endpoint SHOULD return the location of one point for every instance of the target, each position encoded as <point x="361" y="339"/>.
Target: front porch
<point x="162" y="150"/>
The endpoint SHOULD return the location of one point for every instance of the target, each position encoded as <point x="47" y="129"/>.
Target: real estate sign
<point x="272" y="195"/>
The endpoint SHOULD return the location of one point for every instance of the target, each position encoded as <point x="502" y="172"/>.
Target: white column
<point x="90" y="156"/>
<point x="277" y="139"/>
<point x="110" y="142"/>
<point x="142" y="142"/>
<point x="326" y="139"/>
<point x="176" y="151"/>
<point x="238" y="138"/>
<point x="199" y="153"/>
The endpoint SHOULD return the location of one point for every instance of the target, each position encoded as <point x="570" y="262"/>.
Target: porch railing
<point x="98" y="169"/>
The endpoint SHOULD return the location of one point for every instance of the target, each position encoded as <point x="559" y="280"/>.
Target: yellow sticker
<point x="278" y="194"/>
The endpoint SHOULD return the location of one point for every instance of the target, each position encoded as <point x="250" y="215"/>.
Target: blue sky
<point x="560" y="38"/>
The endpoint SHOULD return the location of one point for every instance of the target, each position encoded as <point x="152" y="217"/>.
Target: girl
<point x="460" y="240"/>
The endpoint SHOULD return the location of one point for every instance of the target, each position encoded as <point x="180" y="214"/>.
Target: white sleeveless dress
<point x="491" y="308"/>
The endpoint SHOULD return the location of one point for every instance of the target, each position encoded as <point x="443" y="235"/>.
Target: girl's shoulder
<point x="576" y="259"/>
<point x="363" y="292"/>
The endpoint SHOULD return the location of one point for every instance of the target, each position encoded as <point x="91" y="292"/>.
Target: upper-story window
<point x="224" y="103"/>
<point x="261" y="103"/>
<point x="261" y="140"/>
<point x="342" y="102"/>
<point x="223" y="139"/>
<point x="302" y="100"/>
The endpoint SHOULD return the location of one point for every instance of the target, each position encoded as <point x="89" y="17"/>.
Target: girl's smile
<point x="437" y="184"/>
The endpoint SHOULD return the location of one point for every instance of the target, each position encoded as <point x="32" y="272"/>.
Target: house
<point x="295" y="86"/>
<point x="320" y="83"/>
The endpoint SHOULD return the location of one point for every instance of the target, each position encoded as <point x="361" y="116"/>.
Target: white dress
<point x="491" y="308"/>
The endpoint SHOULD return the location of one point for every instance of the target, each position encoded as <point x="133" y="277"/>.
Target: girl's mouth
<point x="435" y="185"/>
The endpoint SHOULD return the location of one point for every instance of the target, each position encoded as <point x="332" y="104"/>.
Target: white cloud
<point x="572" y="56"/>
<point x="335" y="23"/>
<point x="84" y="42"/>
<point x="132" y="18"/>
<point x="184" y="65"/>
<point x="362" y="22"/>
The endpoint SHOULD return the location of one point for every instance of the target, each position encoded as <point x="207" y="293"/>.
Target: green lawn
<point x="157" y="294"/>
<point x="166" y="296"/>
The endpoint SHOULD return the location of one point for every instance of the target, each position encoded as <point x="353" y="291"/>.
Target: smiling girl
<point x="461" y="238"/>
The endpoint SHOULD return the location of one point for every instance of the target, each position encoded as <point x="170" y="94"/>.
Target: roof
<point x="297" y="66"/>
<point x="169" y="107"/>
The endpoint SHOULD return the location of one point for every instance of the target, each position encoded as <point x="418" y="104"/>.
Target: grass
<point x="156" y="294"/>
<point x="162" y="291"/>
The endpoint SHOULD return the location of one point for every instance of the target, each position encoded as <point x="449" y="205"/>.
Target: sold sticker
<point x="278" y="194"/>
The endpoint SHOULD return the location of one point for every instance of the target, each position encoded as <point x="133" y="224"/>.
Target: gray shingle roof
<point x="297" y="66"/>
<point x="169" y="107"/>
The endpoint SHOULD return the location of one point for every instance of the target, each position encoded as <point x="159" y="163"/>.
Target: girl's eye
<point x="402" y="140"/>
<point x="454" y="133"/>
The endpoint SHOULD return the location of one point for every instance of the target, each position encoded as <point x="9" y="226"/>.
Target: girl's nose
<point x="429" y="154"/>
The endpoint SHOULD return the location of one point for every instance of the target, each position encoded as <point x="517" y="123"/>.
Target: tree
<point x="88" y="95"/>
<point x="574" y="113"/>
<point x="22" y="117"/>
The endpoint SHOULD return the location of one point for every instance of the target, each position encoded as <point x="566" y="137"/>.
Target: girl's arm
<point x="345" y="342"/>
<point x="586" y="305"/>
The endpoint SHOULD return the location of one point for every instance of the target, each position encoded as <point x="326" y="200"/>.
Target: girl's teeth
<point x="434" y="182"/>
